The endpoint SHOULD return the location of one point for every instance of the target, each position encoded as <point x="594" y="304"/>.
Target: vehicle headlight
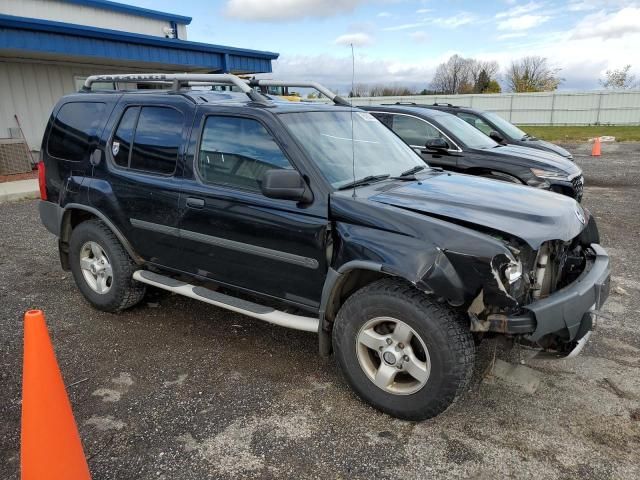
<point x="540" y="173"/>
<point x="513" y="271"/>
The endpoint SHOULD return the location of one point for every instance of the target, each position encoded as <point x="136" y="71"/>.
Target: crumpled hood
<point x="543" y="158"/>
<point x="552" y="147"/>
<point x="528" y="213"/>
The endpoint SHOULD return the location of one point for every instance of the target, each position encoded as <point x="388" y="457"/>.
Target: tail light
<point x="42" y="183"/>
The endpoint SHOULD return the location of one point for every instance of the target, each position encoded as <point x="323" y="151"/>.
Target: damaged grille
<point x="578" y="186"/>
<point x="558" y="264"/>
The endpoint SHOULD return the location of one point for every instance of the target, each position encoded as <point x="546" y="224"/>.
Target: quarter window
<point x="148" y="139"/>
<point x="74" y="132"/>
<point x="237" y="152"/>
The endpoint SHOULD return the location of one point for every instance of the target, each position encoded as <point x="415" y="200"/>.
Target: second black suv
<point x="445" y="140"/>
<point x="318" y="218"/>
<point x="499" y="129"/>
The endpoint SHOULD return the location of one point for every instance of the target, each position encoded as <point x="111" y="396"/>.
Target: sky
<point x="401" y="42"/>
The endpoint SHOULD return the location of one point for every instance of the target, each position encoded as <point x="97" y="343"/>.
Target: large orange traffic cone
<point x="50" y="444"/>
<point x="595" y="151"/>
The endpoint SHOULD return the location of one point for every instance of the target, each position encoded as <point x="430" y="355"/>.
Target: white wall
<point x="31" y="89"/>
<point x="60" y="11"/>
<point x="549" y="108"/>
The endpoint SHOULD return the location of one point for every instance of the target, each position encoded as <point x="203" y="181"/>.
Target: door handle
<point x="195" y="202"/>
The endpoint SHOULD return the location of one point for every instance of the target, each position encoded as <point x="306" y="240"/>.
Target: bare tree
<point x="461" y="75"/>
<point x="451" y="75"/>
<point x="532" y="74"/>
<point x="619" y="79"/>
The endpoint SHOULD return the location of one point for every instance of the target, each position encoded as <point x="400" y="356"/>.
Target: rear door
<point x="230" y="232"/>
<point x="137" y="185"/>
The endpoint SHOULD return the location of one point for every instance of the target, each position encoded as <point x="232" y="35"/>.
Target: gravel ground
<point x="178" y="389"/>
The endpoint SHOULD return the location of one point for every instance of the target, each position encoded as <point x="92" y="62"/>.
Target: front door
<point x="230" y="232"/>
<point x="138" y="184"/>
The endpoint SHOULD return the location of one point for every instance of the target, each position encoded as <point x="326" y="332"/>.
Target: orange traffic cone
<point x="50" y="444"/>
<point x="595" y="151"/>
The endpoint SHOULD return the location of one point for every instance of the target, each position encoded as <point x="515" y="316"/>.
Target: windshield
<point x="326" y="137"/>
<point x="508" y="128"/>
<point x="470" y="136"/>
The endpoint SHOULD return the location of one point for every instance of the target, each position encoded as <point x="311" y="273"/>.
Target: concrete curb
<point x="20" y="190"/>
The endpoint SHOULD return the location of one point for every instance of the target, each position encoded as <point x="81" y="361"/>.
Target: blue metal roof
<point x="131" y="10"/>
<point x="44" y="36"/>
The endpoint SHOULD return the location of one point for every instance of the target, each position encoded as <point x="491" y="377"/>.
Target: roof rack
<point x="180" y="80"/>
<point x="337" y="99"/>
<point x="442" y="104"/>
<point x="400" y="103"/>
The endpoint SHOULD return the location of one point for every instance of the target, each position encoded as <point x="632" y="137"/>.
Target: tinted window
<point x="477" y="122"/>
<point x="157" y="140"/>
<point x="74" y="131"/>
<point x="414" y="131"/>
<point x="237" y="151"/>
<point x="121" y="145"/>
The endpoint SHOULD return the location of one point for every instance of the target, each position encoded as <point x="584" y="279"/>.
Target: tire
<point x="111" y="294"/>
<point x="440" y="331"/>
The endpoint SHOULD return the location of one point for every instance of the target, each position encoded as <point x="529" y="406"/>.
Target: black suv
<point x="318" y="218"/>
<point x="444" y="140"/>
<point x="502" y="131"/>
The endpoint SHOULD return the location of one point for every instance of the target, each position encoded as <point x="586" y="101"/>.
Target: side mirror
<point x="437" y="144"/>
<point x="493" y="135"/>
<point x="285" y="185"/>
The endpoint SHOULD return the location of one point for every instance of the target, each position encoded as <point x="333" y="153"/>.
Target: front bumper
<point x="568" y="311"/>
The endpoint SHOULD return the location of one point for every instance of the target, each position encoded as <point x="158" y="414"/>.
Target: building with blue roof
<point x="48" y="48"/>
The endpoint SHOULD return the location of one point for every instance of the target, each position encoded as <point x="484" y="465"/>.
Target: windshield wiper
<point x="364" y="181"/>
<point x="412" y="171"/>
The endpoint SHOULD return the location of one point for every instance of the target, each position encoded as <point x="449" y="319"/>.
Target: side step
<point x="261" y="312"/>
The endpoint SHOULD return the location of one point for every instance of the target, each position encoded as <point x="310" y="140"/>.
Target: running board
<point x="261" y="312"/>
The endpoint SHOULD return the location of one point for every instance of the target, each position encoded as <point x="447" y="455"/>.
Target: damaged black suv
<point x="318" y="218"/>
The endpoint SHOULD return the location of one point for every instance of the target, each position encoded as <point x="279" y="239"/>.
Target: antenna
<point x="353" y="141"/>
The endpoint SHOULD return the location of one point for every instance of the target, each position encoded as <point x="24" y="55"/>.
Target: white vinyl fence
<point x="546" y="108"/>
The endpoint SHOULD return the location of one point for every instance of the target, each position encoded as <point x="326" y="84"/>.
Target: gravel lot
<point x="178" y="389"/>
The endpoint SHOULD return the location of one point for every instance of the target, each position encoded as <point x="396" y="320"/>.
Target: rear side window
<point x="148" y="139"/>
<point x="75" y="130"/>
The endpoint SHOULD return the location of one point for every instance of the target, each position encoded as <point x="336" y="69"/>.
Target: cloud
<point x="356" y="39"/>
<point x="422" y="11"/>
<point x="507" y="36"/>
<point x="523" y="22"/>
<point x="608" y="25"/>
<point x="520" y="10"/>
<point x="383" y="14"/>
<point x="419" y="37"/>
<point x="284" y="10"/>
<point x="404" y="26"/>
<point x="462" y="18"/>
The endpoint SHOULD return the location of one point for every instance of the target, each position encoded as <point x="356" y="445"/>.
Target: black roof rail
<point x="441" y="104"/>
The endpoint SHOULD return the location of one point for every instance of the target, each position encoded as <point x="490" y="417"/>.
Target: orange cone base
<point x="50" y="445"/>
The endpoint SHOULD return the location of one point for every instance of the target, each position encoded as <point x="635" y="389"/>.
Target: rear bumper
<point x="567" y="312"/>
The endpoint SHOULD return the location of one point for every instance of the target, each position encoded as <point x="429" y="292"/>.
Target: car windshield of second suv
<point x="470" y="136"/>
<point x="372" y="151"/>
<point x="509" y="128"/>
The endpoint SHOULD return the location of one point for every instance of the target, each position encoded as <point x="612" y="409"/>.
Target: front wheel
<point x="401" y="352"/>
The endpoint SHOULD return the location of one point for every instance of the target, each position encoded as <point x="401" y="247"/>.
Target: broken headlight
<point x="513" y="271"/>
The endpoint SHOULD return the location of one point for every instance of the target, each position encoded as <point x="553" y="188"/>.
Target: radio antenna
<point x="353" y="142"/>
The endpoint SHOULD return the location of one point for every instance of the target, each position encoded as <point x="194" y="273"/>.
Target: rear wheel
<point x="401" y="352"/>
<point x="102" y="269"/>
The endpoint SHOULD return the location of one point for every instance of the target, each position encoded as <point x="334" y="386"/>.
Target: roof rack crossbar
<point x="337" y="99"/>
<point x="180" y="79"/>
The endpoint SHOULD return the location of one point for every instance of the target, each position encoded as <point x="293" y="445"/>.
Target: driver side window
<point x="237" y="152"/>
<point x="414" y="131"/>
<point x="476" y="122"/>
